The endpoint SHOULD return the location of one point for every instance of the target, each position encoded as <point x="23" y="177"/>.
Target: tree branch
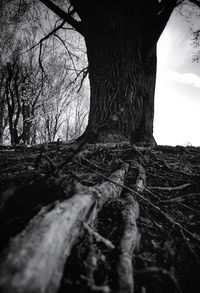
<point x="69" y="53"/>
<point x="45" y="37"/>
<point x="164" y="16"/>
<point x="64" y="15"/>
<point x="159" y="24"/>
<point x="197" y="2"/>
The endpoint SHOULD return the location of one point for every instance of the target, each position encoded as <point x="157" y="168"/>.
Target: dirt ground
<point x="163" y="180"/>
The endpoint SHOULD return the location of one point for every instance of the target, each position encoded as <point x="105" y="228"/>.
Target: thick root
<point x="129" y="242"/>
<point x="35" y="259"/>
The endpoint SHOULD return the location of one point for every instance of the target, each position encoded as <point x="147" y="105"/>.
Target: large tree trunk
<point x="121" y="48"/>
<point x="122" y="74"/>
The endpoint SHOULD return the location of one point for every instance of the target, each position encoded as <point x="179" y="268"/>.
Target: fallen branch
<point x="34" y="259"/>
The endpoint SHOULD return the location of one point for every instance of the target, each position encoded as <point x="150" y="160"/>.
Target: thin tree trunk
<point x="2" y="118"/>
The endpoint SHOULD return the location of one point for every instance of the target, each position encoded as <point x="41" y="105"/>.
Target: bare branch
<point x="40" y="61"/>
<point x="69" y="53"/>
<point x="197" y="2"/>
<point x="65" y="16"/>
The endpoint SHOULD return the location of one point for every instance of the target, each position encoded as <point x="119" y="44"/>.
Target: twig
<point x="190" y="248"/>
<point x="85" y="73"/>
<point x="189" y="208"/>
<point x="49" y="160"/>
<point x="180" y="198"/>
<point x="65" y="16"/>
<point x="169" y="188"/>
<point x="40" y="61"/>
<point x="75" y="152"/>
<point x="91" y="163"/>
<point x="167" y="217"/>
<point x="98" y="237"/>
<point x="69" y="53"/>
<point x="147" y="190"/>
<point x="46" y="37"/>
<point x="141" y="178"/>
<point x="156" y="270"/>
<point x="17" y="166"/>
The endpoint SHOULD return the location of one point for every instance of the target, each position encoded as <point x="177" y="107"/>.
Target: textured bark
<point x="121" y="48"/>
<point x="122" y="72"/>
<point x="35" y="259"/>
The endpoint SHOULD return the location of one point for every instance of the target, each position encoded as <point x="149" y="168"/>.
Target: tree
<point x="21" y="88"/>
<point x="38" y="78"/>
<point x="3" y="118"/>
<point x="17" y="73"/>
<point x="121" y="48"/>
<point x="88" y="186"/>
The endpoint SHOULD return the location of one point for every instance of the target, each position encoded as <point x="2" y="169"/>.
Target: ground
<point x="165" y="183"/>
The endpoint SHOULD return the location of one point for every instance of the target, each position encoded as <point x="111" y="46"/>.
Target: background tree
<point x="3" y="115"/>
<point x="52" y="68"/>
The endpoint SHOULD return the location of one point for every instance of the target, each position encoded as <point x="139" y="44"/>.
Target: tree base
<point x="92" y="136"/>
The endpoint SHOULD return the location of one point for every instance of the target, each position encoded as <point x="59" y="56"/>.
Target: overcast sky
<point x="177" y="102"/>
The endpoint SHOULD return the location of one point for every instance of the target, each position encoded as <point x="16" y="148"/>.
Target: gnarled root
<point x="35" y="259"/>
<point x="129" y="242"/>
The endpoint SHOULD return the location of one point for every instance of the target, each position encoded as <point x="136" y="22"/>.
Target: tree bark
<point x="121" y="48"/>
<point x="122" y="72"/>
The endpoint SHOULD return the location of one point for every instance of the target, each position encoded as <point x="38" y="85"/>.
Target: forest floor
<point x="163" y="180"/>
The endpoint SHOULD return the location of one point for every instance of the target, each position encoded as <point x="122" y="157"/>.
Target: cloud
<point x="183" y="78"/>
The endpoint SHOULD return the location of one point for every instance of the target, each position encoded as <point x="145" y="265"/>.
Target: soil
<point x="164" y="180"/>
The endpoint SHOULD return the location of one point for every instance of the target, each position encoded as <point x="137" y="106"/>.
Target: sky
<point x="177" y="98"/>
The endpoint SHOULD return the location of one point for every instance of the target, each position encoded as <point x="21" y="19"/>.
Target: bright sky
<point x="177" y="102"/>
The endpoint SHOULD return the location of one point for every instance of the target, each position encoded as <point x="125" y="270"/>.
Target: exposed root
<point x="128" y="243"/>
<point x="161" y="179"/>
<point x="141" y="178"/>
<point x="152" y="205"/>
<point x="98" y="237"/>
<point x="162" y="272"/>
<point x="48" y="239"/>
<point x="181" y="198"/>
<point x="161" y="188"/>
<point x="110" y="145"/>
